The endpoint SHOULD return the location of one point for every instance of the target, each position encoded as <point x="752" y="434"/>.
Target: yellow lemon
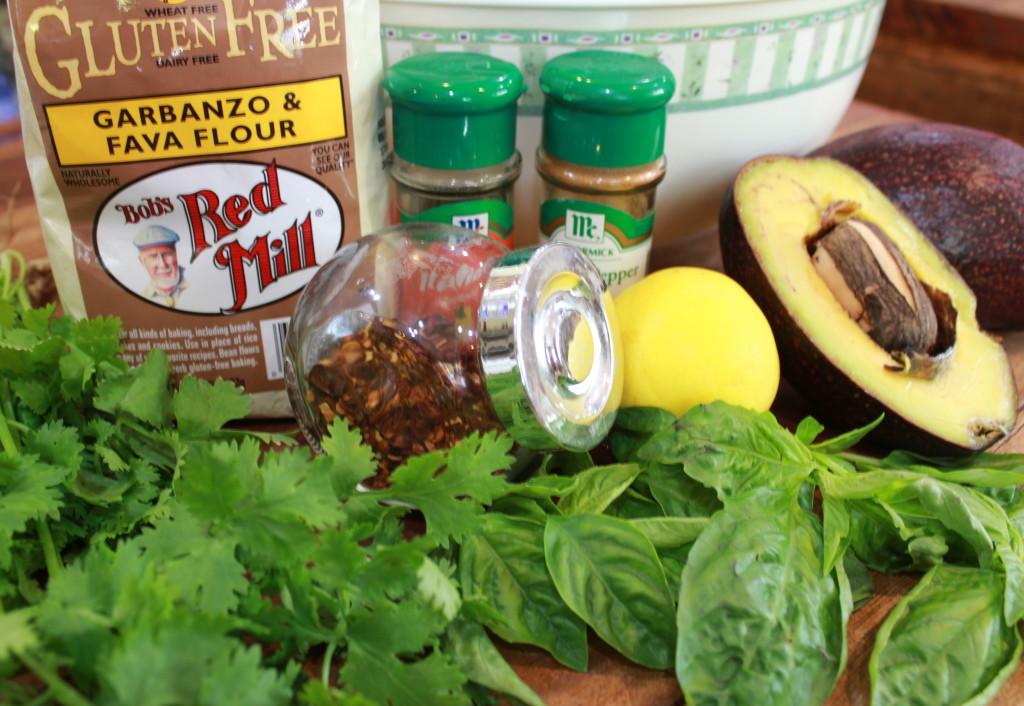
<point x="692" y="335"/>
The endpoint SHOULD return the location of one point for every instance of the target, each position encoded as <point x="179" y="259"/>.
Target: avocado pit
<point x="873" y="282"/>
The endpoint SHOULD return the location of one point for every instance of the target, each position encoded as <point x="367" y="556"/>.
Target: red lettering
<point x="200" y="207"/>
<point x="151" y="207"/>
<point x="272" y="259"/>
<point x="234" y="258"/>
<point x="237" y="211"/>
<point x="203" y="208"/>
<point x="266" y="196"/>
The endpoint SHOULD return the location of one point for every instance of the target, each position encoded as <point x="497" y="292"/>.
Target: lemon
<point x="690" y="336"/>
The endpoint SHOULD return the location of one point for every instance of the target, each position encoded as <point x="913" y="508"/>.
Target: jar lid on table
<point x="550" y="349"/>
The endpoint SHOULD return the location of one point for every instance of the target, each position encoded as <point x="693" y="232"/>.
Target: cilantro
<point x="452" y="501"/>
<point x="152" y="552"/>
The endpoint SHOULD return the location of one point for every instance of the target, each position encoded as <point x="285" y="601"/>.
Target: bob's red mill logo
<point x="243" y="241"/>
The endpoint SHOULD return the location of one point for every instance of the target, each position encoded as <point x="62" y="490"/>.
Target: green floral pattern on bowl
<point x="714" y="66"/>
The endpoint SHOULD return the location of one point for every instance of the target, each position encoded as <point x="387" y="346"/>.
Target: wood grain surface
<point x="610" y="680"/>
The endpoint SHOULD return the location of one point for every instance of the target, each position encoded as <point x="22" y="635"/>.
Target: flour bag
<point x="194" y="163"/>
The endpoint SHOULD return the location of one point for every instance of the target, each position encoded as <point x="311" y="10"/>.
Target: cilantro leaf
<point x="203" y="569"/>
<point x="29" y="489"/>
<point x="98" y="337"/>
<point x="351" y="461"/>
<point x="272" y="503"/>
<point x="382" y="645"/>
<point x="201" y="408"/>
<point x="214" y="479"/>
<point x="186" y="658"/>
<point x="16" y="633"/>
<point x="452" y="501"/>
<point x="143" y="392"/>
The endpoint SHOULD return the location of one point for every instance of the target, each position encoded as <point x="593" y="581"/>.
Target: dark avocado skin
<point x="964" y="189"/>
<point x="833" y="398"/>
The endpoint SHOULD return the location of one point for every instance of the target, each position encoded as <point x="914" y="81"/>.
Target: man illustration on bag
<point x="158" y="254"/>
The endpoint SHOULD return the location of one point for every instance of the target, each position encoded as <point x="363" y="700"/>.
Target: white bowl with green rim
<point x="753" y="78"/>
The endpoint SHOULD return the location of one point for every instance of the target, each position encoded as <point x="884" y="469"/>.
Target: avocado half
<point x="949" y="395"/>
<point x="964" y="190"/>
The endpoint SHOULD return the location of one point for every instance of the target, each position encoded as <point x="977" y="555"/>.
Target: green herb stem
<point x="325" y="669"/>
<point x="7" y="440"/>
<point x="53" y="563"/>
<point x="12" y="278"/>
<point x="61" y="691"/>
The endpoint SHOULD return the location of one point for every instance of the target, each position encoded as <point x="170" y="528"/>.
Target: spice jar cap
<point x="605" y="108"/>
<point x="550" y="349"/>
<point x="454" y="110"/>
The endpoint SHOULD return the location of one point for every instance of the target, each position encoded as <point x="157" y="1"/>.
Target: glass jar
<point x="423" y="333"/>
<point x="453" y="124"/>
<point x="601" y="156"/>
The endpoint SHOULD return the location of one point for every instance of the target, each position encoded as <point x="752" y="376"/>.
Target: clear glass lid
<point x="549" y="348"/>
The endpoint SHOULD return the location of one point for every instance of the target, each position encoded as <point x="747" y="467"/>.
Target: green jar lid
<point x="454" y="110"/>
<point x="605" y="108"/>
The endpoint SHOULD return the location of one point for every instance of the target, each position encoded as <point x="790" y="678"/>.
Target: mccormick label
<point x="618" y="244"/>
<point x="489" y="217"/>
<point x="203" y="158"/>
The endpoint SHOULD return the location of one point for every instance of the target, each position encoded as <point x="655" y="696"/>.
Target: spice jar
<point x="454" y="135"/>
<point x="422" y="333"/>
<point x="602" y="156"/>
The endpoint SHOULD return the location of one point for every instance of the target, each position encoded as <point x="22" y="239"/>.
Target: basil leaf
<point x="633" y="427"/>
<point x="472" y="650"/>
<point x="945" y="642"/>
<point x="837" y="522"/>
<point x="862" y="583"/>
<point x="1013" y="568"/>
<point x="608" y="572"/>
<point x="678" y="494"/>
<point x="669" y="532"/>
<point x="974" y="516"/>
<point x="503" y="567"/>
<point x="732" y="449"/>
<point x="597" y="488"/>
<point x="842" y="442"/>
<point x="982" y="461"/>
<point x="758" y="622"/>
<point x="930" y="515"/>
<point x="808" y="430"/>
<point x="635" y="502"/>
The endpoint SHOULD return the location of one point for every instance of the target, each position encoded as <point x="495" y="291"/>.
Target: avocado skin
<point x="964" y="189"/>
<point x="830" y="393"/>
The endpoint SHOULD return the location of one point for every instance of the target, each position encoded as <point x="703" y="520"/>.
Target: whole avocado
<point x="964" y="189"/>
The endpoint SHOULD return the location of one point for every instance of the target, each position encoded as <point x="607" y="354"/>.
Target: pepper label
<point x="618" y="244"/>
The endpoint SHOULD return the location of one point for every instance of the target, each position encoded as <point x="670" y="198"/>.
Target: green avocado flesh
<point x="776" y="210"/>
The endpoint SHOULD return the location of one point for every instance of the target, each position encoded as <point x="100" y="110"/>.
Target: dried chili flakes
<point x="408" y="390"/>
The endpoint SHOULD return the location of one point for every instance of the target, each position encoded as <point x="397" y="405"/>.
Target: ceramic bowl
<point x="753" y="78"/>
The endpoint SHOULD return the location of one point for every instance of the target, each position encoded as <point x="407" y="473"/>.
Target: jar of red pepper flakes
<point x="423" y="333"/>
